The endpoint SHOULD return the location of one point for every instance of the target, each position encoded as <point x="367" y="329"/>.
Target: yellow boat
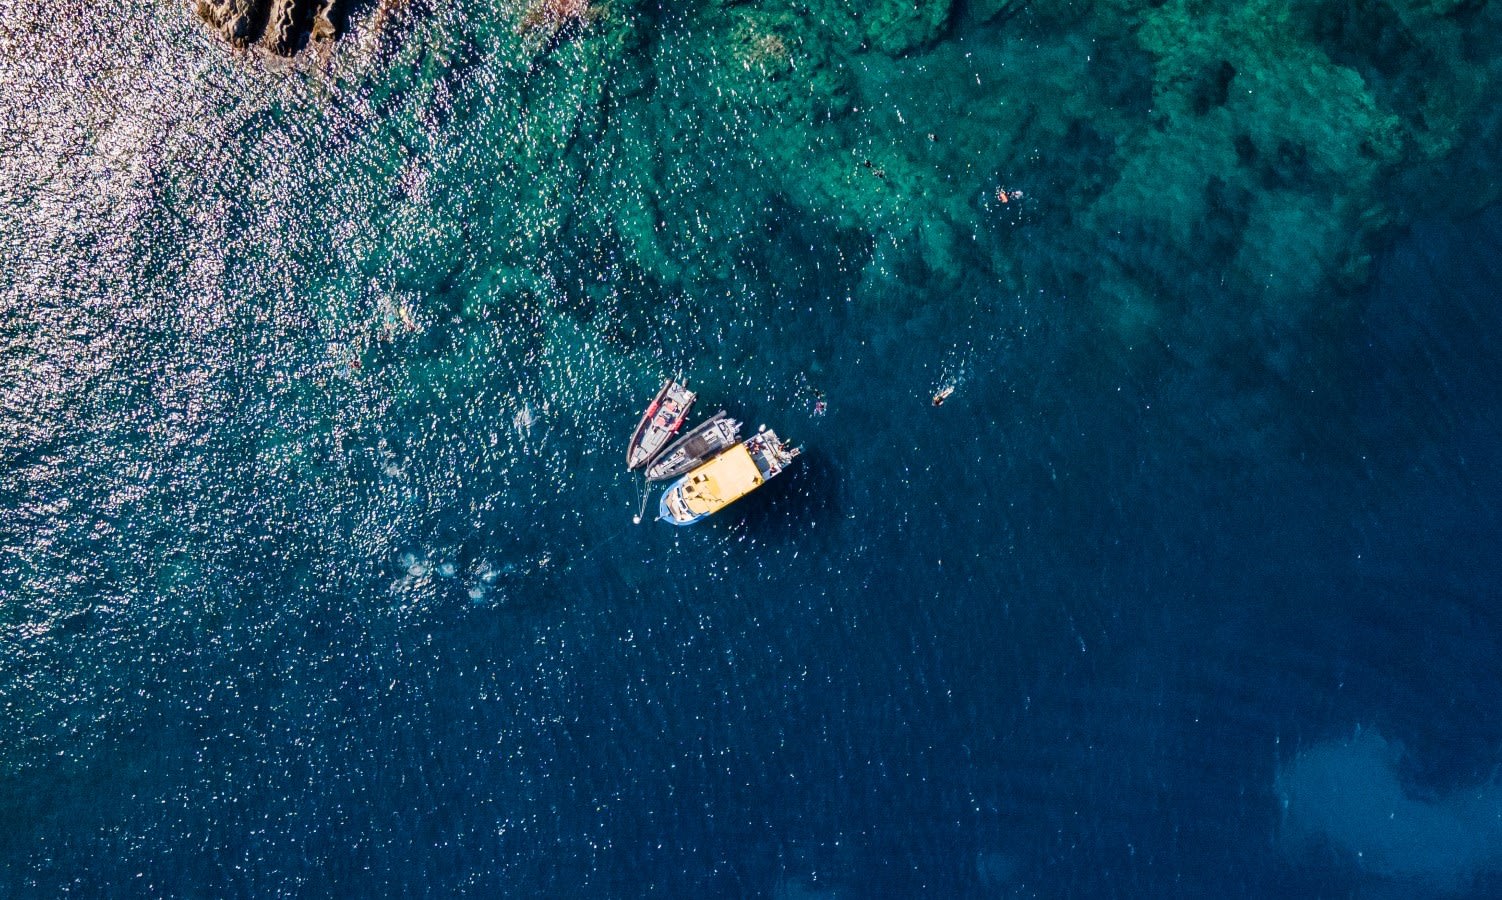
<point x="725" y="479"/>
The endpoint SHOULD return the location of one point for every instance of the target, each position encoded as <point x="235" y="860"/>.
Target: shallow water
<point x="317" y="570"/>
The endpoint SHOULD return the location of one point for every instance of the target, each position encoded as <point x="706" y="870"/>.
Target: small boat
<point x="693" y="448"/>
<point x="731" y="475"/>
<point x="659" y="423"/>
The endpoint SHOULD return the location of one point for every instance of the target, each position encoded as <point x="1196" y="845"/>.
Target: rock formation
<point x="281" y="27"/>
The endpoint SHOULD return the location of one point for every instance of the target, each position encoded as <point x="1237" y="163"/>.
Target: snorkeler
<point x="943" y="394"/>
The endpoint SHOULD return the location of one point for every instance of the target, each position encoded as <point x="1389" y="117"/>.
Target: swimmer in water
<point x="943" y="394"/>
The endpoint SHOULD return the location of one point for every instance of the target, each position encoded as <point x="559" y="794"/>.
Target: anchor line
<point x="646" y="491"/>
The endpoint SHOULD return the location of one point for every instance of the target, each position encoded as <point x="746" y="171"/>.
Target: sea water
<point x="318" y="574"/>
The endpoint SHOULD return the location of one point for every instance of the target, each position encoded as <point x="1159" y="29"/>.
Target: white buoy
<point x="636" y="520"/>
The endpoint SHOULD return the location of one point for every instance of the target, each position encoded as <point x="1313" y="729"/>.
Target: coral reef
<point x="1201" y="173"/>
<point x="1266" y="146"/>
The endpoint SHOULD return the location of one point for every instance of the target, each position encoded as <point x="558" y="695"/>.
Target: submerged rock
<point x="552" y="16"/>
<point x="899" y="27"/>
<point x="281" y="27"/>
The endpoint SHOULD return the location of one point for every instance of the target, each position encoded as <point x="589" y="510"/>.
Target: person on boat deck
<point x="669" y="409"/>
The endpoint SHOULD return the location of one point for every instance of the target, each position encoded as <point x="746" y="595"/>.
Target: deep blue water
<point x="317" y="571"/>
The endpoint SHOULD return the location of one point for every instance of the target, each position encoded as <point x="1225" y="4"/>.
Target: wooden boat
<point x="731" y="475"/>
<point x="709" y="438"/>
<point x="659" y="423"/>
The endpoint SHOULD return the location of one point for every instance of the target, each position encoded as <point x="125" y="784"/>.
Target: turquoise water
<point x="317" y="569"/>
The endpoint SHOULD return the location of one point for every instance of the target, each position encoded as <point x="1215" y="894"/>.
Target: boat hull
<point x="700" y="444"/>
<point x="666" y="513"/>
<point x="729" y="476"/>
<point x="659" y="423"/>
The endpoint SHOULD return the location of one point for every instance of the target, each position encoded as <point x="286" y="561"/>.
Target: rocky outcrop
<point x="281" y="27"/>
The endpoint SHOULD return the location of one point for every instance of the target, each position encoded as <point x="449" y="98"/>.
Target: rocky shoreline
<point x="280" y="27"/>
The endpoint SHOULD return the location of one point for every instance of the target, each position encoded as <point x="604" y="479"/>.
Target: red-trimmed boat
<point x="659" y="423"/>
